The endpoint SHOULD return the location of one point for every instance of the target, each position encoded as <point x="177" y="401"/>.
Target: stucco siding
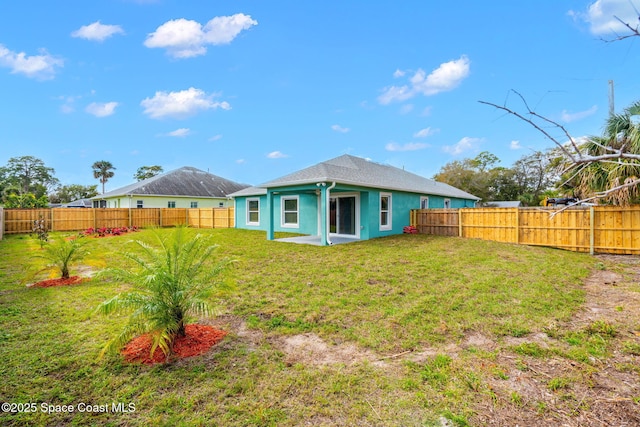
<point x="163" y="202"/>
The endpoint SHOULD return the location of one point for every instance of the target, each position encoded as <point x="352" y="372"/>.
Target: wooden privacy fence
<point x="596" y="229"/>
<point x="73" y="219"/>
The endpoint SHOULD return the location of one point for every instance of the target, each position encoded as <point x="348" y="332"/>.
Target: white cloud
<point x="444" y="78"/>
<point x="398" y="73"/>
<point x="572" y="117"/>
<point x="410" y="146"/>
<point x="276" y="155"/>
<point x="215" y="137"/>
<point x="423" y="133"/>
<point x="601" y="16"/>
<point x="40" y="67"/>
<point x="99" y="109"/>
<point x="406" y="109"/>
<point x="340" y="129"/>
<point x="241" y="161"/>
<point x="185" y="38"/>
<point x="515" y="145"/>
<point x="180" y="104"/>
<point x="97" y="31"/>
<point x="180" y="133"/>
<point x="464" y="145"/>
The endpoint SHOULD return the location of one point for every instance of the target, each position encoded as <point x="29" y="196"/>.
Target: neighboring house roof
<point x="504" y="204"/>
<point x="186" y="182"/>
<point x="80" y="203"/>
<point x="352" y="170"/>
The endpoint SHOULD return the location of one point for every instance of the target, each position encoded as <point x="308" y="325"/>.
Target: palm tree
<point x="171" y="284"/>
<point x="62" y="253"/>
<point x="103" y="170"/>
<point x="621" y="132"/>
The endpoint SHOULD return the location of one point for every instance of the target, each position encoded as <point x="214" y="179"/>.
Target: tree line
<point x="27" y="182"/>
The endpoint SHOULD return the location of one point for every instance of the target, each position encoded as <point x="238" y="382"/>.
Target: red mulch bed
<point x="198" y="340"/>
<point x="73" y="280"/>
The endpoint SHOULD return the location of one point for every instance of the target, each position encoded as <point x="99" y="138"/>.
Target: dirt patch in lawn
<point x="555" y="390"/>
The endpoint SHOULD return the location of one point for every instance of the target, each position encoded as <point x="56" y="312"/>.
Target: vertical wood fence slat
<point x="1" y="222"/>
<point x="596" y="229"/>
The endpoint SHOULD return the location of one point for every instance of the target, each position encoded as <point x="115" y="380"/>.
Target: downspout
<point x="328" y="213"/>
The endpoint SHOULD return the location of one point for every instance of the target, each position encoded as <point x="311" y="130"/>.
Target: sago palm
<point x="171" y="283"/>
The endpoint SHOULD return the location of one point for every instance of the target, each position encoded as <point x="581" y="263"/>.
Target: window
<point x="253" y="211"/>
<point x="221" y="205"/>
<point x="385" y="211"/>
<point x="139" y="204"/>
<point x="424" y="202"/>
<point x="171" y="204"/>
<point x="194" y="204"/>
<point x="290" y="211"/>
<point x="447" y="203"/>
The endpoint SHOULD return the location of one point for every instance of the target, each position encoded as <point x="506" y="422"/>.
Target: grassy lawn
<point x="407" y="307"/>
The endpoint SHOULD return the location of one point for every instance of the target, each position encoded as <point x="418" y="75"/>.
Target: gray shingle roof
<point x="353" y="170"/>
<point x="186" y="181"/>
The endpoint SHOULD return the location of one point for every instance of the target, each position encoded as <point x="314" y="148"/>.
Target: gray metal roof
<point x="504" y="204"/>
<point x="352" y="170"/>
<point x="186" y="181"/>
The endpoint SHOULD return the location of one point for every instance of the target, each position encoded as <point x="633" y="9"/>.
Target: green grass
<point x="388" y="296"/>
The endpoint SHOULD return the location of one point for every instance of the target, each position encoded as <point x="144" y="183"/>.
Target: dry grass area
<point x="544" y="387"/>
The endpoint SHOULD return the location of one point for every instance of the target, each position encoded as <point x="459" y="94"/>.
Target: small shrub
<point x="62" y="253"/>
<point x="40" y="230"/>
<point x="172" y="283"/>
<point x="108" y="231"/>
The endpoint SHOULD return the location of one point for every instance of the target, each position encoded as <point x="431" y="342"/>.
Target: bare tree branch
<point x="634" y="32"/>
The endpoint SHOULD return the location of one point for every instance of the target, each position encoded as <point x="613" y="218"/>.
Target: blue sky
<point x="253" y="90"/>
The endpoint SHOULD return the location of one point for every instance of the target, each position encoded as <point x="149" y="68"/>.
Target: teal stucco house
<point x="346" y="198"/>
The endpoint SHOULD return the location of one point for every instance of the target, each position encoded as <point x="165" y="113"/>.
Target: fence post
<point x="518" y="226"/>
<point x="1" y="222"/>
<point x="460" y="222"/>
<point x="592" y="223"/>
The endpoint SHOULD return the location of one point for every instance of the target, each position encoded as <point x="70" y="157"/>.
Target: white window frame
<point x="194" y="205"/>
<point x="447" y="203"/>
<point x="139" y="204"/>
<point x="389" y="224"/>
<point x="424" y="202"/>
<point x="171" y="202"/>
<point x="283" y="213"/>
<point x="249" y="211"/>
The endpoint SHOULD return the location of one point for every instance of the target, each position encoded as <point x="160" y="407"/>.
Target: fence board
<point x="616" y="229"/>
<point x="14" y="221"/>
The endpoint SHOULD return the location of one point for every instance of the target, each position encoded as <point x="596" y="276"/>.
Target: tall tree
<point x="471" y="175"/>
<point x="599" y="168"/>
<point x="103" y="170"/>
<point x="146" y="172"/>
<point x="28" y="174"/>
<point x="69" y="193"/>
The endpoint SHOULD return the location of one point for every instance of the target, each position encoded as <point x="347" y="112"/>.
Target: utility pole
<point x="612" y="109"/>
